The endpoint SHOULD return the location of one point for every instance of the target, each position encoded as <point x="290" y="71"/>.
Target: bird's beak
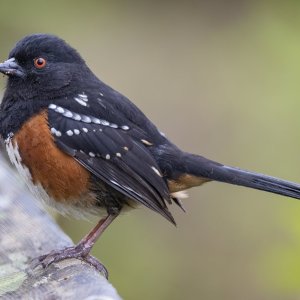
<point x="11" y="68"/>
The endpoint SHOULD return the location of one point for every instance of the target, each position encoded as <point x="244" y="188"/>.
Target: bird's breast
<point x="52" y="176"/>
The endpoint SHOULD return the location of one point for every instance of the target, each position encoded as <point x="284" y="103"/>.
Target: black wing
<point x="109" y="152"/>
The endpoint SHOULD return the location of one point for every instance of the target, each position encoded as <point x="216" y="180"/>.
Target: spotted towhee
<point x="85" y="149"/>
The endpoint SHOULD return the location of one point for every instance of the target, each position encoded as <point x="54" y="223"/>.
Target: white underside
<point x="40" y="193"/>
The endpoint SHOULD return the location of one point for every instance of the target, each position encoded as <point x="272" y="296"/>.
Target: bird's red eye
<point x="39" y="62"/>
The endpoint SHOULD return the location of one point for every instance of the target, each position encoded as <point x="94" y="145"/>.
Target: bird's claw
<point x="77" y="252"/>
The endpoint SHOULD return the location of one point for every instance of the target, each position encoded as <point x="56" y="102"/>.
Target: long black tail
<point x="202" y="167"/>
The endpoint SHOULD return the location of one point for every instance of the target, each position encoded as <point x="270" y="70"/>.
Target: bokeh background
<point x="220" y="78"/>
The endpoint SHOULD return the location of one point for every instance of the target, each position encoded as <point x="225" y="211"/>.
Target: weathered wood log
<point x="27" y="231"/>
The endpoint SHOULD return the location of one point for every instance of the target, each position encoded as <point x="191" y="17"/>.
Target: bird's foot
<point x="79" y="251"/>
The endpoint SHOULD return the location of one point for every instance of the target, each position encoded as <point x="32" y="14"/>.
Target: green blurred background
<point x="220" y="78"/>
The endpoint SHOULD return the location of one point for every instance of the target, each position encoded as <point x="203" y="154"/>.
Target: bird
<point x="86" y="150"/>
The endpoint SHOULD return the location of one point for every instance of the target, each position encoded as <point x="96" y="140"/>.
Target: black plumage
<point x="112" y="153"/>
<point x="123" y="151"/>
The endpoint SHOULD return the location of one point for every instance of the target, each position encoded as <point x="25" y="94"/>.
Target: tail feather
<point x="202" y="167"/>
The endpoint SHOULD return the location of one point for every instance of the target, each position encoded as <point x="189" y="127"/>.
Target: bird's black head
<point x="43" y="65"/>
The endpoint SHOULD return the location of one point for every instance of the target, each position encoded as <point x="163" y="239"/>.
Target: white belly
<point x="40" y="193"/>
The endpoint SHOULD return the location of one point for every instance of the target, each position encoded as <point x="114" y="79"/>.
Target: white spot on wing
<point x="55" y="132"/>
<point x="60" y="110"/>
<point x="105" y="123"/>
<point x="85" y="129"/>
<point x="69" y="133"/>
<point x="76" y="117"/>
<point x="107" y="156"/>
<point x="76" y="131"/>
<point x="146" y="142"/>
<point x="80" y="101"/>
<point x="156" y="171"/>
<point x="86" y="119"/>
<point x="68" y="114"/>
<point x="83" y="97"/>
<point x="52" y="106"/>
<point x="125" y="127"/>
<point x="96" y="121"/>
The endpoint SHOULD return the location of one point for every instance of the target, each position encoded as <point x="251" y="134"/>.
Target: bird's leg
<point x="81" y="250"/>
<point x="90" y="239"/>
